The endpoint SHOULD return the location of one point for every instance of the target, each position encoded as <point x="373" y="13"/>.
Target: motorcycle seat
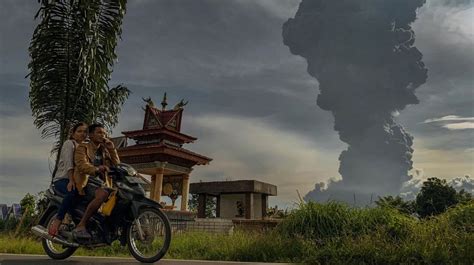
<point x="57" y="192"/>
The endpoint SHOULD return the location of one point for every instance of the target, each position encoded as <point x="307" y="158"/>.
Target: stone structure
<point x="158" y="152"/>
<point x="246" y="199"/>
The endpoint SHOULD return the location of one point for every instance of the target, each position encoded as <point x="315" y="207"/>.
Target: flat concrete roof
<point x="237" y="186"/>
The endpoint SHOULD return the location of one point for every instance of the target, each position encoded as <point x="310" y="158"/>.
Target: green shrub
<point x="461" y="217"/>
<point x="435" y="197"/>
<point x="10" y="224"/>
<point x="406" y="207"/>
<point x="395" y="224"/>
<point x="318" y="222"/>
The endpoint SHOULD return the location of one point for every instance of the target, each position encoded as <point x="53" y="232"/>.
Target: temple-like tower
<point x="159" y="152"/>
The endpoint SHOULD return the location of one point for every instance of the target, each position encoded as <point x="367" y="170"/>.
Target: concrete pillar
<point x="249" y="206"/>
<point x="185" y="193"/>
<point x="202" y="199"/>
<point x="152" y="187"/>
<point x="158" y="184"/>
<point x="218" y="206"/>
<point x="264" y="205"/>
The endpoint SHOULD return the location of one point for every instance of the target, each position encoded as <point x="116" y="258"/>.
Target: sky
<point x="252" y="104"/>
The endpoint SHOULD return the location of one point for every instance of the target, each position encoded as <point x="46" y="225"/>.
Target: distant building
<point x="13" y="211"/>
<point x="16" y="210"/>
<point x="240" y="199"/>
<point x="3" y="211"/>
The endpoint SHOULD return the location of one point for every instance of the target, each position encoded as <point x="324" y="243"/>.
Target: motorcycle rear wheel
<point x="53" y="250"/>
<point x="156" y="229"/>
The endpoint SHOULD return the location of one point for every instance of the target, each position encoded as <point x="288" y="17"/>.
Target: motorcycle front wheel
<point x="149" y="236"/>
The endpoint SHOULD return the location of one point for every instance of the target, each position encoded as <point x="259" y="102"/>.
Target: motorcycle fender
<point x="145" y="202"/>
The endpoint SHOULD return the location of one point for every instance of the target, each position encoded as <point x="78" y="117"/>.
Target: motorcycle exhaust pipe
<point x="41" y="232"/>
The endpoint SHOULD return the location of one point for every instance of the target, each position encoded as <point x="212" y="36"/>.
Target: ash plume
<point x="362" y="54"/>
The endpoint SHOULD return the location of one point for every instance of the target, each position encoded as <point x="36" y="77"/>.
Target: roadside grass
<point x="343" y="235"/>
<point x="331" y="233"/>
<point x="240" y="246"/>
<point x="32" y="245"/>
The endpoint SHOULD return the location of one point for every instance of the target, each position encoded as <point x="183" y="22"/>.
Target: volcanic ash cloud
<point x="362" y="54"/>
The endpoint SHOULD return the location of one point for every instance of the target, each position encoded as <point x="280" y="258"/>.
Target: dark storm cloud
<point x="211" y="50"/>
<point x="19" y="176"/>
<point x="10" y="166"/>
<point x="14" y="95"/>
<point x="282" y="112"/>
<point x="15" y="31"/>
<point x="444" y="33"/>
<point x="196" y="41"/>
<point x="226" y="57"/>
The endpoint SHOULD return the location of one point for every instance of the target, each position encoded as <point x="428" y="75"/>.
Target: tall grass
<point x="333" y="220"/>
<point x="343" y="235"/>
<point x="240" y="246"/>
<point x="315" y="233"/>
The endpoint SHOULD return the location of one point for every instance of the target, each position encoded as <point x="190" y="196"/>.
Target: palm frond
<point x="72" y="54"/>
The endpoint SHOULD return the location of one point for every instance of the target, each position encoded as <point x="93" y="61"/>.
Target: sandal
<point x="81" y="233"/>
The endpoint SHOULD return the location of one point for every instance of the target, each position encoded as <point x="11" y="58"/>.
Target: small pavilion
<point x="240" y="199"/>
<point x="159" y="152"/>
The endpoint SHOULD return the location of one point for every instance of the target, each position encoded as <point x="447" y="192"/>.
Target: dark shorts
<point x="92" y="185"/>
<point x="89" y="191"/>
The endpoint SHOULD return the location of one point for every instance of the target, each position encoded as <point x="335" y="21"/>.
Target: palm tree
<point x="72" y="54"/>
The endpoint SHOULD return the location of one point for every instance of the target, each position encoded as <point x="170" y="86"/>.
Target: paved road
<point x="12" y="259"/>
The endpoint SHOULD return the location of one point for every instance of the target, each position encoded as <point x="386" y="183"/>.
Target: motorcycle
<point x="135" y="221"/>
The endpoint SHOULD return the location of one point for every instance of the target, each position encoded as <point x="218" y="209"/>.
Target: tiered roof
<point x="161" y="139"/>
<point x="161" y="124"/>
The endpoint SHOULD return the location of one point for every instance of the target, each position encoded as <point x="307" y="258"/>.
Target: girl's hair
<point x="75" y="127"/>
